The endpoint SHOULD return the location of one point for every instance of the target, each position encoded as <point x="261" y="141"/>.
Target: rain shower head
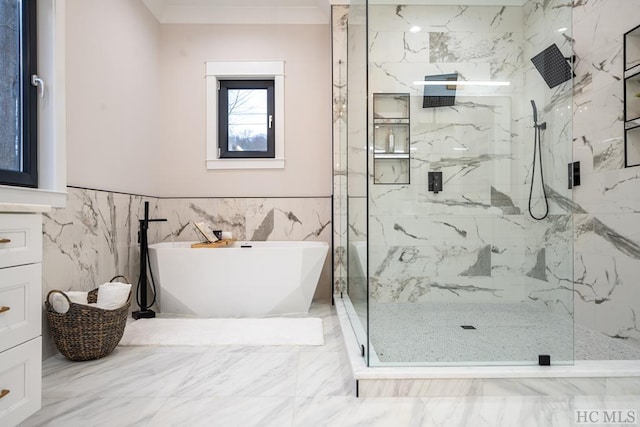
<point x="440" y="95"/>
<point x="552" y="66"/>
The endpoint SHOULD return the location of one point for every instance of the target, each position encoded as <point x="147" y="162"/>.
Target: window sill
<point x="32" y="196"/>
<point x="245" y="164"/>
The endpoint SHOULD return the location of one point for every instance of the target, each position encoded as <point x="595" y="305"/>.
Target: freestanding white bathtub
<point x="267" y="278"/>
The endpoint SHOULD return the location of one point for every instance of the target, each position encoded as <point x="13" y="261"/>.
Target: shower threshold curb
<point x="594" y="375"/>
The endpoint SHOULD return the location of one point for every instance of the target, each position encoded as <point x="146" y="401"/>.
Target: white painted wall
<point x="113" y="96"/>
<point x="136" y="103"/>
<point x="306" y="51"/>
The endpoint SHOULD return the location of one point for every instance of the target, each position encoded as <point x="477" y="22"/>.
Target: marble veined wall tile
<point x="585" y="8"/>
<point x="91" y="240"/>
<point x="387" y="47"/>
<point x="606" y="265"/>
<point x="182" y="213"/>
<point x="467" y="46"/>
<point x="606" y="237"/>
<point x="610" y="19"/>
<point x="435" y="18"/>
<point x="614" y="234"/>
<point x="599" y="109"/>
<point x="229" y="213"/>
<point x="251" y="219"/>
<point x="616" y="186"/>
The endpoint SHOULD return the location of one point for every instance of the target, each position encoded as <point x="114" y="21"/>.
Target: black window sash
<point x="223" y="118"/>
<point x="28" y="176"/>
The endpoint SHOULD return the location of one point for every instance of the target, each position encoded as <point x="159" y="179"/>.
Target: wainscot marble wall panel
<point x="96" y="236"/>
<point x="87" y="243"/>
<point x="91" y="240"/>
<point x="249" y="218"/>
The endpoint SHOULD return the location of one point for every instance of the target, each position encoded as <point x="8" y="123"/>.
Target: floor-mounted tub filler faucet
<point x="141" y="292"/>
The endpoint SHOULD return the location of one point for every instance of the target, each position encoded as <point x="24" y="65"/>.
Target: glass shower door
<point x="460" y="271"/>
<point x="357" y="225"/>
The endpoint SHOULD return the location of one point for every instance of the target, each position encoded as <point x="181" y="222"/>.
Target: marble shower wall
<point x="607" y="203"/>
<point x="472" y="242"/>
<point x="95" y="237"/>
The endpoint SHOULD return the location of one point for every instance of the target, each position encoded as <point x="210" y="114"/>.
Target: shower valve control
<point x="574" y="174"/>
<point x="435" y="182"/>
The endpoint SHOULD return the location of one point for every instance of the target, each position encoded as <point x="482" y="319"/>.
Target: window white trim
<point x="216" y="71"/>
<point x="52" y="164"/>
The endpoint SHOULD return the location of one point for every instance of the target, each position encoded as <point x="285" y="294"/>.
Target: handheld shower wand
<point x="537" y="149"/>
<point x="542" y="125"/>
<point x="535" y="113"/>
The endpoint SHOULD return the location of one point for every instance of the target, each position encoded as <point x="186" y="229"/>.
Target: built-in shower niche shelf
<point x="391" y="155"/>
<point x="632" y="51"/>
<point x="391" y="125"/>
<point x="632" y="97"/>
<point x="390" y="106"/>
<point x="632" y="146"/>
<point x="630" y="124"/>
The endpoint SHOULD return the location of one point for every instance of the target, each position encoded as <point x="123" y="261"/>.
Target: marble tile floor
<point x="273" y="386"/>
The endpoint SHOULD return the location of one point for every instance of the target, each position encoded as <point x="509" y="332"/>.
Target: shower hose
<point x="537" y="150"/>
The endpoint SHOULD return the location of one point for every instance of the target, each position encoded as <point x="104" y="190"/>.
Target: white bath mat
<point x="209" y="332"/>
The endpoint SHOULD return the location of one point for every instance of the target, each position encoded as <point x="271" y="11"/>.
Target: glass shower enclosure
<point x="459" y="152"/>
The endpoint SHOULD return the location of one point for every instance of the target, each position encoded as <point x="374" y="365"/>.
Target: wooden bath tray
<point x="219" y="244"/>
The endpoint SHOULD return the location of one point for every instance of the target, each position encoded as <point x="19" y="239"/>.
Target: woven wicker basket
<point x="85" y="332"/>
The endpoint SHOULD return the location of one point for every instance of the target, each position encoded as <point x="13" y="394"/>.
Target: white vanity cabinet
<point x="20" y="312"/>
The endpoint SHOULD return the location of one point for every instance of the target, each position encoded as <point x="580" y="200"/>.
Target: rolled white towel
<point x="112" y="295"/>
<point x="79" y="297"/>
<point x="60" y="304"/>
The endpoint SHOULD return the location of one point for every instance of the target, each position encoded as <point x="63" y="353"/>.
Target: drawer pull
<point x="3" y="309"/>
<point x="3" y="393"/>
<point x="5" y="240"/>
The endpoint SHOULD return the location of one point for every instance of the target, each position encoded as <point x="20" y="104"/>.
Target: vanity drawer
<point x="20" y="305"/>
<point x="20" y="239"/>
<point x="20" y="382"/>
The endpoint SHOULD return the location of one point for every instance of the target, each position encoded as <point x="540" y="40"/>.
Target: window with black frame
<point x="18" y="98"/>
<point x="246" y="123"/>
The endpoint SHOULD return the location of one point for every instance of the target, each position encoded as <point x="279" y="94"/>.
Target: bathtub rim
<point x="261" y="244"/>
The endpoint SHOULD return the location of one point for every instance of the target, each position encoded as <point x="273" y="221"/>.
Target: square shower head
<point x="441" y="95"/>
<point x="553" y="66"/>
